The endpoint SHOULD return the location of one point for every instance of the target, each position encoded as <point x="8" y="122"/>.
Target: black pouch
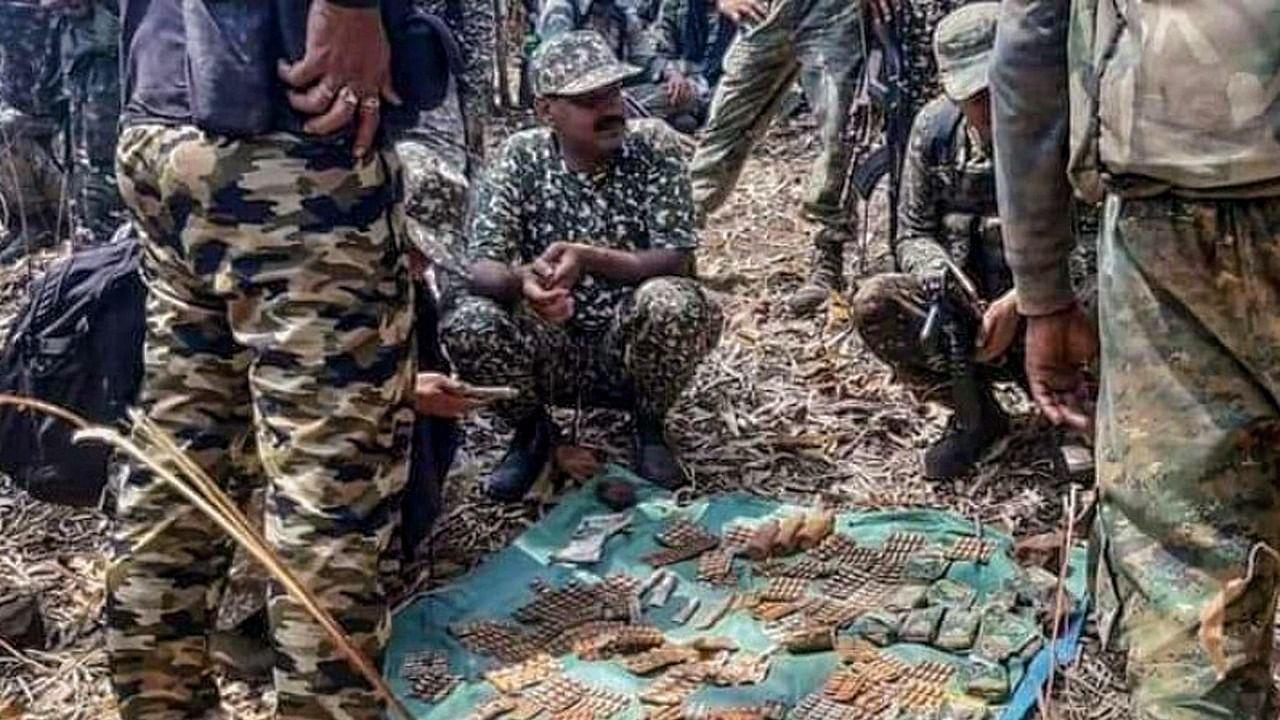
<point x="231" y="60"/>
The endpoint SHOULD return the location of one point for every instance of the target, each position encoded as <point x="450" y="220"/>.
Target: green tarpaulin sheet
<point x="503" y="583"/>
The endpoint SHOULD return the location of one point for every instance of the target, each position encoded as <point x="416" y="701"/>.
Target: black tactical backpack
<point x="77" y="344"/>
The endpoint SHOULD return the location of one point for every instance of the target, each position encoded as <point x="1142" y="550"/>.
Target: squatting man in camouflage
<point x="1188" y="415"/>
<point x="582" y="261"/>
<point x="947" y="215"/>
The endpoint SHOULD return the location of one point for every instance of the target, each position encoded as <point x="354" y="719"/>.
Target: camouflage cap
<point x="576" y="63"/>
<point x="963" y="46"/>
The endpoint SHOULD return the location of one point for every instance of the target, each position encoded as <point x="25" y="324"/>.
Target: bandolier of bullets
<point x="428" y="675"/>
<point x="682" y="540"/>
<point x="971" y="549"/>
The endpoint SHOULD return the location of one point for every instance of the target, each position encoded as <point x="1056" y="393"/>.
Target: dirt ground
<point x="785" y="408"/>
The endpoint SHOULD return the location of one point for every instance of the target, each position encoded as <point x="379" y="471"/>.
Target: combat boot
<point x="966" y="440"/>
<point x="527" y="456"/>
<point x="655" y="461"/>
<point x="826" y="275"/>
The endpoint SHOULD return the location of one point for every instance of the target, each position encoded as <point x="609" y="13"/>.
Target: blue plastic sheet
<point x="502" y="583"/>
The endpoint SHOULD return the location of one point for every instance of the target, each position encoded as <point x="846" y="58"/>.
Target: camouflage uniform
<point x="473" y="23"/>
<point x="279" y="323"/>
<point x="437" y="170"/>
<point x="670" y="53"/>
<point x="819" y="41"/>
<point x="1188" y="417"/>
<point x="91" y="74"/>
<point x="919" y="65"/>
<point x="628" y="37"/>
<point x="30" y="118"/>
<point x="625" y="346"/>
<point x="947" y="209"/>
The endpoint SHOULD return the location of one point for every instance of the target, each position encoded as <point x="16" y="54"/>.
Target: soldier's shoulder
<point x="934" y="124"/>
<point x="654" y="139"/>
<point x="527" y="148"/>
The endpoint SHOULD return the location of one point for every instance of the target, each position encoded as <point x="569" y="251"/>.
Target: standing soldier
<point x="473" y="24"/>
<point x="1173" y="120"/>
<point x="279" y="323"/>
<point x="820" y="41"/>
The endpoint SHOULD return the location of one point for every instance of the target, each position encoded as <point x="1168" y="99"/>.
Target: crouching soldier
<point x="582" y="251"/>
<point x="922" y="321"/>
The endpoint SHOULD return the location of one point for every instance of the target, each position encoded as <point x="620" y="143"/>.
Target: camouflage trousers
<point x="889" y="312"/>
<point x="819" y="41"/>
<point x="1189" y="452"/>
<point x="91" y="72"/>
<point x="642" y="361"/>
<point x="437" y="169"/>
<point x="653" y="98"/>
<point x="473" y="24"/>
<point x="279" y="326"/>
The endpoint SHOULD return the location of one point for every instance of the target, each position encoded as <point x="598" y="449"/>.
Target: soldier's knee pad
<point x="473" y="323"/>
<point x="669" y="299"/>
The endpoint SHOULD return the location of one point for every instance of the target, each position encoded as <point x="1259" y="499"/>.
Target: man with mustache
<point x="582" y="250"/>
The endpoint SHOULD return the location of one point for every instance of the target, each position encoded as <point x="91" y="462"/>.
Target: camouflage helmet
<point x="963" y="44"/>
<point x="577" y="63"/>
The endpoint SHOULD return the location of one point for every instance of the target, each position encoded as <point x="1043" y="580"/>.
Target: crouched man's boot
<point x="655" y="460"/>
<point x="968" y="436"/>
<point x="528" y="454"/>
<point x="826" y="275"/>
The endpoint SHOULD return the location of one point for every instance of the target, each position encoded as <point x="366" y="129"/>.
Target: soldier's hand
<point x="679" y="89"/>
<point x="552" y="304"/>
<point x="73" y="8"/>
<point x="345" y="73"/>
<point x="441" y="396"/>
<point x="881" y="11"/>
<point x="567" y="262"/>
<point x="999" y="326"/>
<point x="1060" y="348"/>
<point x="739" y="11"/>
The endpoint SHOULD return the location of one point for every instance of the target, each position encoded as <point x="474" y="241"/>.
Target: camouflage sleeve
<point x="1030" y="111"/>
<point x="641" y="51"/>
<point x="496" y="219"/>
<point x="669" y="194"/>
<point x="558" y="17"/>
<point x="665" y="34"/>
<point x="919" y="223"/>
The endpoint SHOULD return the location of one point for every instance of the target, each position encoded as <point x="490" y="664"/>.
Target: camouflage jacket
<point x="947" y="205"/>
<point x="529" y="199"/>
<point x="1210" y="131"/>
<point x="669" y="43"/>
